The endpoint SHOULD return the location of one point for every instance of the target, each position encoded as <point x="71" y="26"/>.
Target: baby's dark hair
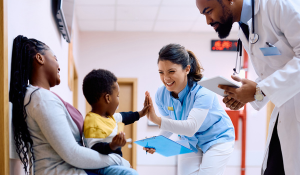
<point x="96" y="83"/>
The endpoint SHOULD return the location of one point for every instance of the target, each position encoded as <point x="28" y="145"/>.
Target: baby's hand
<point x="118" y="141"/>
<point x="144" y="111"/>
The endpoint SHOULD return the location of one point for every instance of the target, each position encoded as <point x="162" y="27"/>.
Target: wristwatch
<point x="258" y="94"/>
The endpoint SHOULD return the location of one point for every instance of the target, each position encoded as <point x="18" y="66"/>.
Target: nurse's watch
<point x="259" y="96"/>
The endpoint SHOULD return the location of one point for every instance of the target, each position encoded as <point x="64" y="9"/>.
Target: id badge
<point x="270" y="51"/>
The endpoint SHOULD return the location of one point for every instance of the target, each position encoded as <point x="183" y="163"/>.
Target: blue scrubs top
<point x="217" y="126"/>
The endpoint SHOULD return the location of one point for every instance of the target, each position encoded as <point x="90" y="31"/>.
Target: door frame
<point x="4" y="103"/>
<point x="132" y="81"/>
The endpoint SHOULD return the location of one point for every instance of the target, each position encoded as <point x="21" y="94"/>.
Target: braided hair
<point x="177" y="54"/>
<point x="24" y="51"/>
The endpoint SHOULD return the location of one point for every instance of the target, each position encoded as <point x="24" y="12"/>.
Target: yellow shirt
<point x="100" y="129"/>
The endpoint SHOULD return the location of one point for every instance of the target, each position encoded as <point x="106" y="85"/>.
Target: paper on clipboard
<point x="164" y="146"/>
<point x="212" y="84"/>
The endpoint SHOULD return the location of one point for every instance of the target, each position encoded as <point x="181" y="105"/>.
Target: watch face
<point x="259" y="97"/>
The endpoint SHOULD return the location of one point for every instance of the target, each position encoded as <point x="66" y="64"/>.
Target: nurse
<point x="192" y="112"/>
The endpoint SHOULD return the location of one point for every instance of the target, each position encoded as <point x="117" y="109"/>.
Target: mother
<point x="42" y="123"/>
<point x="192" y="112"/>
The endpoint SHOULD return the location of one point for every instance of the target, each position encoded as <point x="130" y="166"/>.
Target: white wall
<point x="34" y="19"/>
<point x="134" y="55"/>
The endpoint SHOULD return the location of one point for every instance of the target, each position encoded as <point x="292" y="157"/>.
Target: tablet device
<point x="212" y="84"/>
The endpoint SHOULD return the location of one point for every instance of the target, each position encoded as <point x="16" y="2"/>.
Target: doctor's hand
<point x="232" y="104"/>
<point x="151" y="113"/>
<point x="244" y="94"/>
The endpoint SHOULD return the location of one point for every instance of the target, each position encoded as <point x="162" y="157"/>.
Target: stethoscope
<point x="253" y="38"/>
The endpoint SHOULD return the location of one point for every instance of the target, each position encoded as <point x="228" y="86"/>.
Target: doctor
<point x="274" y="26"/>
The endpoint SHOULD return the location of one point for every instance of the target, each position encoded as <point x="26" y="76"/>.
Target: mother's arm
<point x="51" y="119"/>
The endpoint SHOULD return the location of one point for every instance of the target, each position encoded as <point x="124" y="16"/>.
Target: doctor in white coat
<point x="275" y="29"/>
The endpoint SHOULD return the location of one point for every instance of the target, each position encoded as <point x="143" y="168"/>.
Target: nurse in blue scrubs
<point x="192" y="112"/>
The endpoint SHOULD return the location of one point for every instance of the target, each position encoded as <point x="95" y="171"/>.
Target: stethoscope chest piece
<point x="253" y="38"/>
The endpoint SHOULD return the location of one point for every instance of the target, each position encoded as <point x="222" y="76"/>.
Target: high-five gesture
<point x="151" y="113"/>
<point x="145" y="110"/>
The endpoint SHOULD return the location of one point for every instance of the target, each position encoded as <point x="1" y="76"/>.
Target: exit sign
<point x="224" y="45"/>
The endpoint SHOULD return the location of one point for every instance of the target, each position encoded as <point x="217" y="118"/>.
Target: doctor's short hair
<point x="177" y="54"/>
<point x="96" y="83"/>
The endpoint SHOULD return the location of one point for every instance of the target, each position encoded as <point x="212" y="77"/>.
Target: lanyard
<point x="182" y="108"/>
<point x="183" y="104"/>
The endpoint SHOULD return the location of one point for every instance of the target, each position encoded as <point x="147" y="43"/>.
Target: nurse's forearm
<point x="185" y="127"/>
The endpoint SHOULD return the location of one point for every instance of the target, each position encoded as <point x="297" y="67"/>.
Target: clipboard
<point x="164" y="146"/>
<point x="212" y="84"/>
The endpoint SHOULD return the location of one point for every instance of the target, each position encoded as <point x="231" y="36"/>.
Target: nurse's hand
<point x="232" y="104"/>
<point x="244" y="94"/>
<point x="151" y="113"/>
<point x="149" y="150"/>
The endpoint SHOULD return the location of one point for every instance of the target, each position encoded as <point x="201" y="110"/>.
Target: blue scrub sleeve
<point x="204" y="100"/>
<point x="158" y="101"/>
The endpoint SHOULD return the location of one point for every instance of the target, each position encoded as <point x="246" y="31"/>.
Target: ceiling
<point x="141" y="15"/>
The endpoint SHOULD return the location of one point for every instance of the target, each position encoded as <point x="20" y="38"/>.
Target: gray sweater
<point x="57" y="144"/>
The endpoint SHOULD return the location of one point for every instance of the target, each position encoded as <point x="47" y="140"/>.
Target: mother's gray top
<point x="57" y="144"/>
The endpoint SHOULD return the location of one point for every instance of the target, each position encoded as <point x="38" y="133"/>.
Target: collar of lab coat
<point x="257" y="2"/>
<point x="241" y="35"/>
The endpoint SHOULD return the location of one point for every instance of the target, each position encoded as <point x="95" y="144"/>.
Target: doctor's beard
<point x="224" y="29"/>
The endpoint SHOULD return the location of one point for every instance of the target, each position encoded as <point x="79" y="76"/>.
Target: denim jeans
<point x="112" y="170"/>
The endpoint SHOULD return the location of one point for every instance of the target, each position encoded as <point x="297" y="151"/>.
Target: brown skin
<point x="215" y="13"/>
<point x="45" y="72"/>
<point x="107" y="106"/>
<point x="244" y="94"/>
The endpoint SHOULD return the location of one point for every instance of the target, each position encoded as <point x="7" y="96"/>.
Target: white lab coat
<point x="278" y="22"/>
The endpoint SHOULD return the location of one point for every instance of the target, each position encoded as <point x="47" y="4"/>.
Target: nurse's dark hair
<point x="177" y="54"/>
<point x="24" y="51"/>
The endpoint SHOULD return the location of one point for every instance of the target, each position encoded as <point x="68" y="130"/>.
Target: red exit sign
<point x="224" y="45"/>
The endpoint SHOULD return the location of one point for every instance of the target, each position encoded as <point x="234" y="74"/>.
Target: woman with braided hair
<point x="47" y="130"/>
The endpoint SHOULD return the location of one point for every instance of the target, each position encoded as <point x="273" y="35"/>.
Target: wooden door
<point x="128" y="102"/>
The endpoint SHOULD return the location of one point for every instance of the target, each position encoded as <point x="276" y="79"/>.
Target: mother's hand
<point x="151" y="113"/>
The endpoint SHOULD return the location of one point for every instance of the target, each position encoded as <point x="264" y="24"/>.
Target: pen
<point x="269" y="44"/>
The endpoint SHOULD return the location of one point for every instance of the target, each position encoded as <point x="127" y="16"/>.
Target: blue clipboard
<point x="164" y="146"/>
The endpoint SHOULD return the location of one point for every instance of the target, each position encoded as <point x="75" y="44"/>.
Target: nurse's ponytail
<point x="196" y="69"/>
<point x="177" y="54"/>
